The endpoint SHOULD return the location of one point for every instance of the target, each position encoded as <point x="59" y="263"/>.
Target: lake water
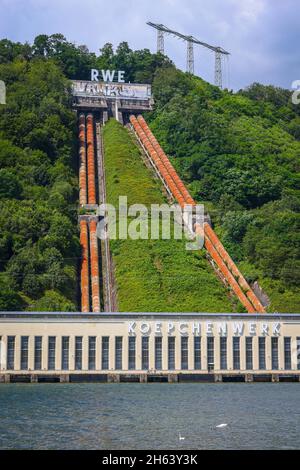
<point x="149" y="416"/>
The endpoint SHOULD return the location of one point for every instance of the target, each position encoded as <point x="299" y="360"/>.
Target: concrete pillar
<point x="138" y="351"/>
<point x="143" y="378"/>
<point x="217" y="352"/>
<point x="17" y="352"/>
<point x="72" y="352"/>
<point x="125" y="353"/>
<point x="31" y="352"/>
<point x="268" y="353"/>
<point x="280" y="353"/>
<point x="64" y="378"/>
<point x="113" y="378"/>
<point x="255" y="353"/>
<point x="243" y="353"/>
<point x="177" y="352"/>
<point x="44" y="352"/>
<point x="112" y="350"/>
<point x="191" y="358"/>
<point x="151" y="352"/>
<point x="172" y="378"/>
<point x="105" y="117"/>
<point x="165" y="352"/>
<point x="3" y="352"/>
<point x="98" y="353"/>
<point x="294" y="352"/>
<point x="85" y="353"/>
<point x="230" y="352"/>
<point x="203" y="353"/>
<point x="58" y="353"/>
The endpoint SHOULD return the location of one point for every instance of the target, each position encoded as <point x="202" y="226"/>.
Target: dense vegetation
<point x="39" y="244"/>
<point x="239" y="153"/>
<point x="154" y="275"/>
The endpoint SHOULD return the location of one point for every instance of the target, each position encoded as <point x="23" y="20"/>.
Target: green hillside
<point x="154" y="275"/>
<point x="239" y="153"/>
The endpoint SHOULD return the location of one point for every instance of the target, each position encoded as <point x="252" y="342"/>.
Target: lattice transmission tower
<point x="190" y="41"/>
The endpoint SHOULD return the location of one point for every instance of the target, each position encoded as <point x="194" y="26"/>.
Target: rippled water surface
<point x="149" y="416"/>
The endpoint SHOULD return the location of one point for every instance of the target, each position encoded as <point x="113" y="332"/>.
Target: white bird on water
<point x="222" y="425"/>
<point x="181" y="438"/>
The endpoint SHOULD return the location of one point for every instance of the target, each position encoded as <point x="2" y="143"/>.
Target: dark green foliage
<point x="39" y="246"/>
<point x="240" y="154"/>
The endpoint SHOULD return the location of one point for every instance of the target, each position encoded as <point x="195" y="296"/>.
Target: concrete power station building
<point x="107" y="346"/>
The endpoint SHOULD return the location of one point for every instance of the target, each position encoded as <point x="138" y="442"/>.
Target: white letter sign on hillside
<point x="107" y="75"/>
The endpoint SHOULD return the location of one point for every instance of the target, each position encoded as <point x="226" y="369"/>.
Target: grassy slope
<point x="154" y="275"/>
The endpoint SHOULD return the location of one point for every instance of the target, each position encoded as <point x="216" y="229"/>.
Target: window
<point x="24" y="352"/>
<point x="210" y="353"/>
<point x="65" y="353"/>
<point x="223" y="352"/>
<point x="171" y="352"/>
<point x="249" y="352"/>
<point x="262" y="352"/>
<point x="236" y="352"/>
<point x="274" y="346"/>
<point x="118" y="352"/>
<point x="145" y="352"/>
<point x="131" y="353"/>
<point x="105" y="352"/>
<point x="184" y="352"/>
<point x="287" y="353"/>
<point x="38" y="352"/>
<point x="197" y="352"/>
<point x="10" y="352"/>
<point x="92" y="353"/>
<point x="158" y="352"/>
<point x="51" y="352"/>
<point x="298" y="352"/>
<point x="78" y="352"/>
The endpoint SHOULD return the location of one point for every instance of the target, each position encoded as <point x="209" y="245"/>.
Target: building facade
<point x="147" y="345"/>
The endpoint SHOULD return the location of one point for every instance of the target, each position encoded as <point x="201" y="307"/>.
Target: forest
<point x="238" y="153"/>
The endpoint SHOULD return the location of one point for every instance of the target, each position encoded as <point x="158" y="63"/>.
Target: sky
<point x="261" y="35"/>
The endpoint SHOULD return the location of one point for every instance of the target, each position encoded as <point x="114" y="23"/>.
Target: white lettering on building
<point x="222" y="329"/>
<point x="265" y="329"/>
<point x="195" y="328"/>
<point x="183" y="328"/>
<point x="145" y="328"/>
<point x="209" y="328"/>
<point x="238" y="329"/>
<point x="276" y="329"/>
<point x="107" y="75"/>
<point x="131" y="327"/>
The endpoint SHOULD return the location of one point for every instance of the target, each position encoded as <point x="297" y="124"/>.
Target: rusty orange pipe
<point x="91" y="160"/>
<point x="94" y="266"/>
<point x="166" y="162"/>
<point x="228" y="276"/>
<point x="215" y="247"/>
<point x="159" y="165"/>
<point x="84" y="274"/>
<point x="82" y="161"/>
<point x="210" y="233"/>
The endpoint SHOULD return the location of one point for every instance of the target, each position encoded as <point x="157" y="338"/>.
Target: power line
<point x="190" y="41"/>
